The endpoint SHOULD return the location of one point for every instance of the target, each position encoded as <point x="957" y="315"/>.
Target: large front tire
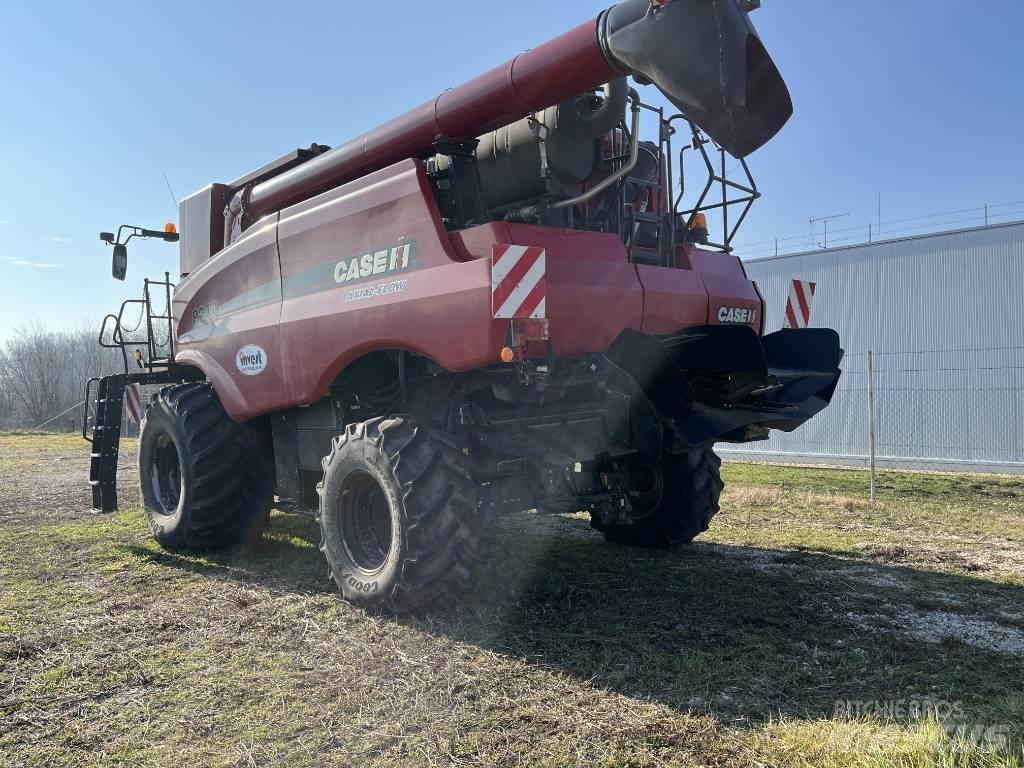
<point x="398" y="516"/>
<point x="206" y="482"/>
<point x="691" y="488"/>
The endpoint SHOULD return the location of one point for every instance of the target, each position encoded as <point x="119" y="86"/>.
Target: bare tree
<point x="8" y="414"/>
<point x="33" y="370"/>
<point x="43" y="372"/>
<point x="86" y="359"/>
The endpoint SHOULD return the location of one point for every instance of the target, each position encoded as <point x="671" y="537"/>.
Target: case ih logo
<point x="383" y="262"/>
<point x="741" y="315"/>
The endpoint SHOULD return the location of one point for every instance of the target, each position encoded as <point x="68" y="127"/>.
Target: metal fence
<point x="940" y="410"/>
<point x="941" y="315"/>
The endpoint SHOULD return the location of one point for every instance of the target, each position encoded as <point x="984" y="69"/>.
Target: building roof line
<point x="924" y="236"/>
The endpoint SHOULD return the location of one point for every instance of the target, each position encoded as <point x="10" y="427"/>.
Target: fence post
<point x="871" y="425"/>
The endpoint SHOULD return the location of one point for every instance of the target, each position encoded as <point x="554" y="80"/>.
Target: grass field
<point x="807" y="628"/>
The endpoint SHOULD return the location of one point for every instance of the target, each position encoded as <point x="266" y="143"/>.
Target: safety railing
<point x="151" y="338"/>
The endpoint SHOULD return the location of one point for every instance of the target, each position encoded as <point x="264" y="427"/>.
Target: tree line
<point x="43" y="372"/>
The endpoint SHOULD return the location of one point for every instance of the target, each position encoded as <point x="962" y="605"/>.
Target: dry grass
<point x="747" y="649"/>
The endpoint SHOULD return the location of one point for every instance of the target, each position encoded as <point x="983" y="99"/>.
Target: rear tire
<point x="399" y="517"/>
<point x="692" y="486"/>
<point x="206" y="482"/>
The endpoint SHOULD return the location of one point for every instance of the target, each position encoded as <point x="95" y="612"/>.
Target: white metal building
<point x="943" y="315"/>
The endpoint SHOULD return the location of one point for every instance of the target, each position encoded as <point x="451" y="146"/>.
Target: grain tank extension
<point x="497" y="301"/>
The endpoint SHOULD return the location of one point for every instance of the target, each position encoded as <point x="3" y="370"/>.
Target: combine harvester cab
<point x="495" y="302"/>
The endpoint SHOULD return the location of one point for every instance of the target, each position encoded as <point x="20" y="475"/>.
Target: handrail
<point x="749" y="191"/>
<point x="85" y="412"/>
<point x="117" y="340"/>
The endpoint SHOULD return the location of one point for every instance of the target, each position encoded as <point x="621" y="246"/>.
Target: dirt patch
<point x="964" y="552"/>
<point x="573" y="652"/>
<point x="939" y="627"/>
<point x="48" y="479"/>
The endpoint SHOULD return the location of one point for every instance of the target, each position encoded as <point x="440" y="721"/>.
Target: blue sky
<point x="920" y="102"/>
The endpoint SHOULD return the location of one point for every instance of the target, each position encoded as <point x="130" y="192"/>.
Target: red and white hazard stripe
<point x="518" y="285"/>
<point x="798" y="307"/>
<point x="133" y="399"/>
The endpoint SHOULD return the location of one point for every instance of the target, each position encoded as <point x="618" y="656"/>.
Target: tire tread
<point x="231" y="472"/>
<point x="691" y="499"/>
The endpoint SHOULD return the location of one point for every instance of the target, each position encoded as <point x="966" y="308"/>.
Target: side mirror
<point x="120" y="267"/>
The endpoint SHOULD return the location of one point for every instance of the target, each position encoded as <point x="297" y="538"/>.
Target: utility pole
<point x="827" y="219"/>
<point x="871" y="427"/>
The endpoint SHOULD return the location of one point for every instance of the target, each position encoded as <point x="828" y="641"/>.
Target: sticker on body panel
<point x="251" y="360"/>
<point x="518" y="282"/>
<point x="372" y="291"/>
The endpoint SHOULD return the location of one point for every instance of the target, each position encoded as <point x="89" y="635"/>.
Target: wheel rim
<point x="646" y="486"/>
<point x="165" y="471"/>
<point x="365" y="522"/>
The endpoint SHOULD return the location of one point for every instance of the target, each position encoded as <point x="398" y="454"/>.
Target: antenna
<point x="827" y="219"/>
<point x="172" y="192"/>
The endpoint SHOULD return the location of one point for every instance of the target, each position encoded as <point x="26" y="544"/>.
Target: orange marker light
<point x="507" y="355"/>
<point x="169" y="228"/>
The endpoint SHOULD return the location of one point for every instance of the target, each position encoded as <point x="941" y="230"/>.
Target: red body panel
<point x="369" y="266"/>
<point x="241" y="289"/>
<point x="674" y="299"/>
<point x="442" y="312"/>
<point x="592" y="291"/>
<point x="727" y="286"/>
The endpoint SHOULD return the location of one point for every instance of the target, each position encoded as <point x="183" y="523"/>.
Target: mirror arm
<point x="167" y="237"/>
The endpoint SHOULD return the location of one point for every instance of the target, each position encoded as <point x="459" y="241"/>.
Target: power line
<point x="890" y="232"/>
<point x="826" y="220"/>
<point x="980" y="208"/>
<point x="76" y="405"/>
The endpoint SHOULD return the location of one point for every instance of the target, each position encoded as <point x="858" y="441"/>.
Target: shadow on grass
<point x="739" y="632"/>
<point x="287" y="557"/>
<point x="753" y="632"/>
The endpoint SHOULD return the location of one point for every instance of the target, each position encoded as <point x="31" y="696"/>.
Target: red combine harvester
<point x="492" y="303"/>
